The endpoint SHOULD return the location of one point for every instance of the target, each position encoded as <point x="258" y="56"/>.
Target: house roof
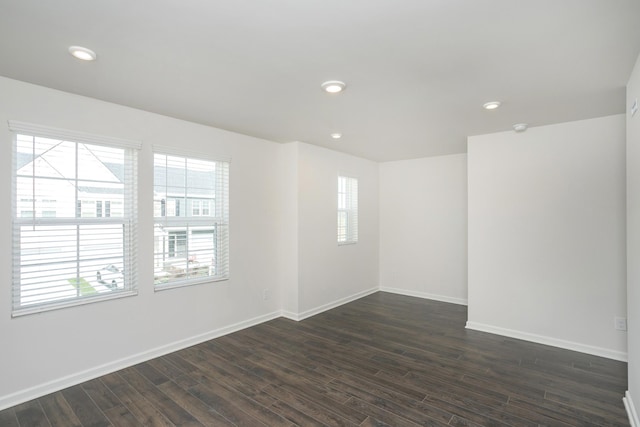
<point x="200" y="182"/>
<point x="417" y="71"/>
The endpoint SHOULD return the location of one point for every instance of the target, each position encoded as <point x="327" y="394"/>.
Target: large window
<point x="74" y="218"/>
<point x="347" y="210"/>
<point x="191" y="210"/>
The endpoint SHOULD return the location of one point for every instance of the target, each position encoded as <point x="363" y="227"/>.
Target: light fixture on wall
<point x="491" y="105"/>
<point x="336" y="135"/>
<point x="520" y="127"/>
<point x="82" y="53"/>
<point x="333" y="86"/>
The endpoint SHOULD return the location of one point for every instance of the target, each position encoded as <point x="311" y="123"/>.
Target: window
<point x="191" y="245"/>
<point x="347" y="210"/>
<point x="107" y="208"/>
<point x="177" y="244"/>
<point x="63" y="252"/>
<point x="200" y="208"/>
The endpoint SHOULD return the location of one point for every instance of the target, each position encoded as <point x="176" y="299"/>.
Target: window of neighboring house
<point x="191" y="245"/>
<point x="107" y="208"/>
<point x="64" y="253"/>
<point x="177" y="244"/>
<point x="347" y="210"/>
<point x="200" y="208"/>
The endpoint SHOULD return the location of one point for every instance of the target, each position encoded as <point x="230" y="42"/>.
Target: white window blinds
<point x="191" y="219"/>
<point x="74" y="218"/>
<point x="347" y="210"/>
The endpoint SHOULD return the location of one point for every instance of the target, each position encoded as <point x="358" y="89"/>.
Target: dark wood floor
<point x="384" y="360"/>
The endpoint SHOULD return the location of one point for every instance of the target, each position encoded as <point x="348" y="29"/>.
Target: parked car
<point x="110" y="276"/>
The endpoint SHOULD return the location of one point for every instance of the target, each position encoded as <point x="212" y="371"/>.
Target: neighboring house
<point x="93" y="200"/>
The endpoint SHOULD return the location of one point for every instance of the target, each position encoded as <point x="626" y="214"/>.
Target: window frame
<point x="129" y="219"/>
<point x="347" y="207"/>
<point x="184" y="220"/>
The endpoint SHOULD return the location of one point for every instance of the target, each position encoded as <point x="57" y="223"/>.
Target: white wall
<point x="43" y="352"/>
<point x="547" y="234"/>
<point x="283" y="218"/>
<point x="423" y="227"/>
<point x="633" y="242"/>
<point x="288" y="267"/>
<point x="330" y="274"/>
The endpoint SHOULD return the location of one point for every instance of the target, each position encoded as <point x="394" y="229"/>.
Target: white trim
<point x="71" y="135"/>
<point x="188" y="282"/>
<point x="631" y="410"/>
<point x="329" y="306"/>
<point x="425" y="295"/>
<point x="48" y="306"/>
<point x="290" y="315"/>
<point x="555" y="342"/>
<point x="92" y="373"/>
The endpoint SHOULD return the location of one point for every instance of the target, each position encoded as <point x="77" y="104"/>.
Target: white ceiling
<point x="418" y="71"/>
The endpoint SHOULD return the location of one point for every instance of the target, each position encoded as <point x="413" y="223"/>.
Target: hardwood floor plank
<point x="615" y="370"/>
<point x="557" y="371"/>
<point x="171" y="371"/>
<point x="8" y="418"/>
<point x="372" y="422"/>
<point x="247" y="383"/>
<point x="590" y="406"/>
<point x="436" y="386"/>
<point x="297" y="417"/>
<point x="470" y="408"/>
<point x="501" y="386"/>
<point x="100" y="394"/>
<point x="152" y="374"/>
<point x="31" y="414"/>
<point x="549" y="410"/>
<point x="84" y="408"/>
<point x="135" y="402"/>
<point x="202" y="412"/>
<point x="249" y="405"/>
<point x="58" y="411"/>
<point x="224" y="407"/>
<point x="284" y="376"/>
<point x="309" y="407"/>
<point x="386" y="416"/>
<point x="413" y="410"/>
<point x="120" y="416"/>
<point x="169" y="408"/>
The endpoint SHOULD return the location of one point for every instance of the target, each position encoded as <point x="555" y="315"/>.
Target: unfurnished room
<point x="305" y="213"/>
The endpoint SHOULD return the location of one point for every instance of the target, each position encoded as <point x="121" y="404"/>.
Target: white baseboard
<point x="312" y="312"/>
<point x="555" y="342"/>
<point x="290" y="315"/>
<point x="435" y="297"/>
<point x="61" y="383"/>
<point x="631" y="410"/>
<point x="89" y="374"/>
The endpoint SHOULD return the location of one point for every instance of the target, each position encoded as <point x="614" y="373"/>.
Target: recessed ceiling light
<point x="491" y="105"/>
<point x="520" y="127"/>
<point x="333" y="86"/>
<point x="336" y="135"/>
<point x="82" y="53"/>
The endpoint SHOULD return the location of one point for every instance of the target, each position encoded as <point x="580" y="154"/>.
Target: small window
<point x="347" y="210"/>
<point x="65" y="251"/>
<point x="191" y="232"/>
